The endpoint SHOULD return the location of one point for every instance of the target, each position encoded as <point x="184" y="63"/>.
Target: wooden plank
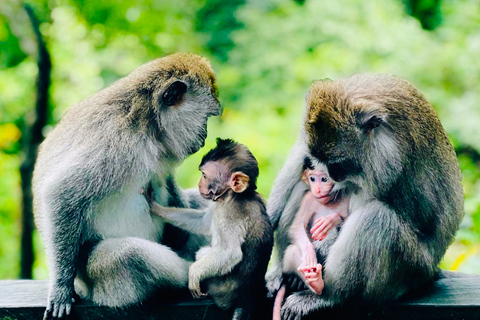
<point x="451" y="298"/>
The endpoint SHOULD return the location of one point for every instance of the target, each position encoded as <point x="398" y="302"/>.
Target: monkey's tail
<point x="277" y="305"/>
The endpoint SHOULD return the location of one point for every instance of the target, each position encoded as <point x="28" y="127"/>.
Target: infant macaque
<point x="232" y="269"/>
<point x="326" y="211"/>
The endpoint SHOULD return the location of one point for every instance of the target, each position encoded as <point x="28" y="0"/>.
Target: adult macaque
<point x="378" y="133"/>
<point x="232" y="269"/>
<point x="93" y="171"/>
<point x="327" y="210"/>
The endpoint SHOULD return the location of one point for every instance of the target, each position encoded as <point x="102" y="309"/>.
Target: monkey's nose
<point x="338" y="171"/>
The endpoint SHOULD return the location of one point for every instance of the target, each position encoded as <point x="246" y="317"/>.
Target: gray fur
<point x="408" y="199"/>
<point x="232" y="268"/>
<point x="94" y="170"/>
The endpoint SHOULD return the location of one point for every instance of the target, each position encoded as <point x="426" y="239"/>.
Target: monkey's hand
<point x="157" y="209"/>
<point x="313" y="277"/>
<point x="59" y="304"/>
<point x="194" y="282"/>
<point x="324" y="224"/>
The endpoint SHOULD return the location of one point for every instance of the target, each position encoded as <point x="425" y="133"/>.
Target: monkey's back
<point x="246" y="282"/>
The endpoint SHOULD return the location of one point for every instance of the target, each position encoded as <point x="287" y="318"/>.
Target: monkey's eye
<point x="174" y="93"/>
<point x="312" y="179"/>
<point x="372" y="123"/>
<point x="324" y="179"/>
<point x="203" y="175"/>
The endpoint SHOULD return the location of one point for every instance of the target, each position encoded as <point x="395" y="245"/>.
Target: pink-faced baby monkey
<point x="232" y="269"/>
<point x="325" y="209"/>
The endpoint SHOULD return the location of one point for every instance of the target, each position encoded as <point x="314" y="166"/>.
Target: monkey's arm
<point x="191" y="220"/>
<point x="287" y="178"/>
<point x="225" y="254"/>
<point x="299" y="233"/>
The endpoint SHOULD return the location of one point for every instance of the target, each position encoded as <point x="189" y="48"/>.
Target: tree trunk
<point x="31" y="138"/>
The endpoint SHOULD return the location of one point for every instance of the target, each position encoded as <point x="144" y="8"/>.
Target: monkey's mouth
<point x="207" y="196"/>
<point x="325" y="196"/>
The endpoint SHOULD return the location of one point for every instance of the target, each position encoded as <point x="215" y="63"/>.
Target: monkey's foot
<point x="294" y="283"/>
<point x="59" y="307"/>
<point x="313" y="277"/>
<point x="299" y="304"/>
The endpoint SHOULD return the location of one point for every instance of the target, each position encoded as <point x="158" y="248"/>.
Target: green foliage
<point x="216" y="19"/>
<point x="10" y="52"/>
<point x="266" y="54"/>
<point x="426" y="11"/>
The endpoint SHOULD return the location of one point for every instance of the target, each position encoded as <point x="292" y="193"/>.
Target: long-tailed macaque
<point x="378" y="133"/>
<point x="232" y="269"/>
<point x="93" y="217"/>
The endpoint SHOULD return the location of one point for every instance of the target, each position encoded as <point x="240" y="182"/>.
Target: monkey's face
<point x="185" y="122"/>
<point x="320" y="184"/>
<point x="214" y="180"/>
<point x="349" y="134"/>
<point x="184" y="102"/>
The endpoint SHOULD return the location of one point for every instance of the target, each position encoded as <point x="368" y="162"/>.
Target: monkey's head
<point x="228" y="166"/>
<point x="360" y="127"/>
<point x="318" y="180"/>
<point x="174" y="95"/>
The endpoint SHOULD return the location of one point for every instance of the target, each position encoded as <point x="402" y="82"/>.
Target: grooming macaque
<point x="94" y="169"/>
<point x="232" y="269"/>
<point x="378" y="134"/>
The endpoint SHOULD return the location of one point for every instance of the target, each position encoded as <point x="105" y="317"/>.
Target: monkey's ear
<point x="174" y="93"/>
<point x="304" y="177"/>
<point x="239" y="182"/>
<point x="372" y="123"/>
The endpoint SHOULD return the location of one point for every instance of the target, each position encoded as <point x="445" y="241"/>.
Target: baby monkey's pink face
<point x="210" y="184"/>
<point x="217" y="179"/>
<point x="320" y="184"/>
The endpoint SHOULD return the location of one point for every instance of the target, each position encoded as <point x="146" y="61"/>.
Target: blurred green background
<point x="265" y="53"/>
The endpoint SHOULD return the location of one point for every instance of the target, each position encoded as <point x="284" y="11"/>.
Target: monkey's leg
<point x="294" y="278"/>
<point x="123" y="271"/>
<point x="62" y="244"/>
<point x="241" y="314"/>
<point x="246" y="306"/>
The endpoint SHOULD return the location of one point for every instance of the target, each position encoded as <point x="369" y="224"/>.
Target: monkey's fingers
<point x="321" y="232"/>
<point x="48" y="312"/>
<point x="319" y="225"/>
<point x="304" y="268"/>
<point x="196" y="293"/>
<point x="319" y="221"/>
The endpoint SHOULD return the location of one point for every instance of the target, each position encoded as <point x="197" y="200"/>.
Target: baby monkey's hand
<point x="324" y="224"/>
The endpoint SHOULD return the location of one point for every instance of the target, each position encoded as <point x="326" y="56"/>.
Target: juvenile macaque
<point x="232" y="269"/>
<point x="327" y="210"/>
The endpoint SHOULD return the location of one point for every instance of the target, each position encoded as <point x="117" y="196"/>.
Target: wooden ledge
<point x="450" y="298"/>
